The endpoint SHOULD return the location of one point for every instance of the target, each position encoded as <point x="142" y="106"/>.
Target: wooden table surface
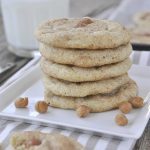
<point x="5" y="56"/>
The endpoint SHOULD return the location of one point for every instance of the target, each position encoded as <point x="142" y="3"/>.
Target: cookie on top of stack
<point x="85" y="63"/>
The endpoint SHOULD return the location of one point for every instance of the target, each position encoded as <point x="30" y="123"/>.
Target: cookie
<point x="97" y="103"/>
<point x="34" y="140"/>
<point x="142" y="19"/>
<point x="84" y="33"/>
<point x="82" y="89"/>
<point x="140" y="35"/>
<point x="78" y="74"/>
<point x="85" y="58"/>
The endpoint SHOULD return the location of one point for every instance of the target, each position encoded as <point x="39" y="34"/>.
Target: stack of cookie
<point x="85" y="63"/>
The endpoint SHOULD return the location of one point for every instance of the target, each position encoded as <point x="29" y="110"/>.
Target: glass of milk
<point x="21" y="17"/>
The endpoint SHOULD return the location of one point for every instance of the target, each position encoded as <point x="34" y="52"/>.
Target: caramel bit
<point x="125" y="107"/>
<point x="137" y="102"/>
<point x="32" y="142"/>
<point x="21" y="102"/>
<point x="83" y="111"/>
<point x="121" y="120"/>
<point x="84" y="22"/>
<point x="41" y="107"/>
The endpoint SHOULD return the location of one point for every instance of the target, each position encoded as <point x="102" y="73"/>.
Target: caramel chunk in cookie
<point x="32" y="142"/>
<point x="84" y="22"/>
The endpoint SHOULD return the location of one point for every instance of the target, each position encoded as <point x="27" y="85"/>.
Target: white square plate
<point x="30" y="85"/>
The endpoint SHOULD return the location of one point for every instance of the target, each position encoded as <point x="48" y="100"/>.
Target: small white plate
<point x="30" y="85"/>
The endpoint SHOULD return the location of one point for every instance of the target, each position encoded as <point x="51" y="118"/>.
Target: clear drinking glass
<point x="21" y="17"/>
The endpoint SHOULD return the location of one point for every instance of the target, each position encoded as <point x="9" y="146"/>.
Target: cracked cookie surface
<point x="82" y="34"/>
